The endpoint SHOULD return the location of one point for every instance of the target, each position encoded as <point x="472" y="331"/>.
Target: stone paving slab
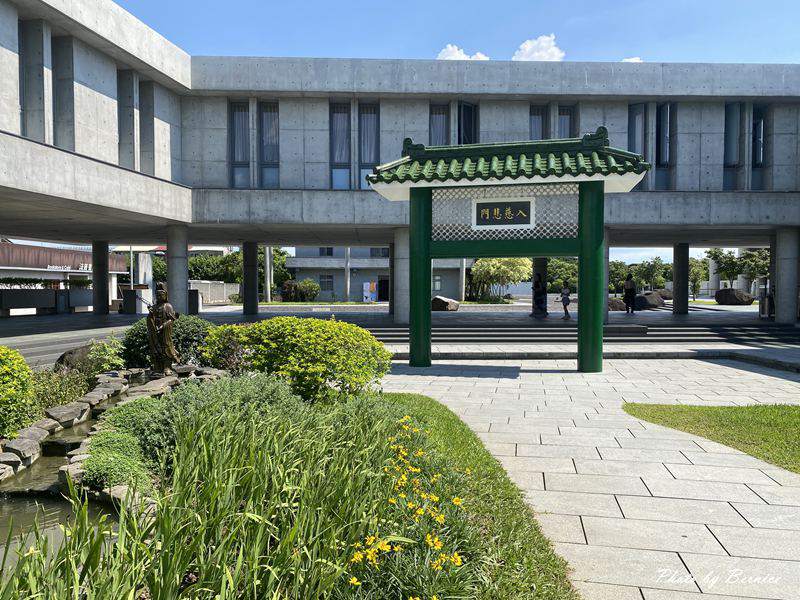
<point x="640" y="511"/>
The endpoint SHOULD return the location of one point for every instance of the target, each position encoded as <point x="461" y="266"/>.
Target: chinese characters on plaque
<point x="502" y="213"/>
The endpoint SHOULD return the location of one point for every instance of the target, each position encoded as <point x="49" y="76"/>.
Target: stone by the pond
<point x="733" y="297"/>
<point x="67" y="414"/>
<point x="33" y="433"/>
<point x="28" y="450"/>
<point x="73" y="471"/>
<point x="184" y="370"/>
<point x="78" y="458"/>
<point x="212" y="372"/>
<point x="11" y="460"/>
<point x="443" y="303"/>
<point x="5" y="472"/>
<point x="49" y="425"/>
<point x="71" y="358"/>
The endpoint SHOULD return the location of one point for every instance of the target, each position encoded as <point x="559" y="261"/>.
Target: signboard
<point x="502" y="214"/>
<point x="370" y="291"/>
<point x="45" y="258"/>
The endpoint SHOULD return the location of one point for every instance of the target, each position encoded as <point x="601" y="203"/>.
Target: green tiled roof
<point x="589" y="155"/>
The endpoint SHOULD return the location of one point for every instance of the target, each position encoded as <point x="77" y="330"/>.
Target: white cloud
<point x="633" y="59"/>
<point x="453" y="52"/>
<point x="542" y="48"/>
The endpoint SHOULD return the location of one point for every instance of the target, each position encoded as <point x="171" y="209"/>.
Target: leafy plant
<point x="728" y="264"/>
<point x="308" y="289"/>
<point x="16" y="401"/>
<point x="188" y="334"/>
<point x="116" y="458"/>
<point x="493" y="275"/>
<point x="54" y="388"/>
<point x="320" y="358"/>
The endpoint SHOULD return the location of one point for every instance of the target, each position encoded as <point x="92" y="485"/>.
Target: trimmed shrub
<point x="16" y="400"/>
<point x="104" y="355"/>
<point x="189" y="333"/>
<point x="320" y="358"/>
<point x="308" y="289"/>
<point x="116" y="458"/>
<point x="54" y="388"/>
<point x="290" y="292"/>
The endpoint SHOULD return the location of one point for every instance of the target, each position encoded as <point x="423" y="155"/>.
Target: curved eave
<point x="614" y="183"/>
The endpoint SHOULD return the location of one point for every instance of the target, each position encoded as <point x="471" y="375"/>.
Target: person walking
<point x="565" y="301"/>
<point x="629" y="294"/>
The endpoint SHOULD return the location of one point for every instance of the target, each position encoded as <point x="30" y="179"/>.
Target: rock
<point x="184" y="370"/>
<point x="10" y="459"/>
<point x="27" y="450"/>
<point x="648" y="301"/>
<point x="616" y="304"/>
<point x="733" y="297"/>
<point x="445" y="304"/>
<point x="68" y="414"/>
<point x="73" y="471"/>
<point x="49" y="425"/>
<point x="93" y="399"/>
<point x="33" y="433"/>
<point x="71" y="358"/>
<point x="664" y="293"/>
<point x="212" y="372"/>
<point x="5" y="472"/>
<point x="78" y="458"/>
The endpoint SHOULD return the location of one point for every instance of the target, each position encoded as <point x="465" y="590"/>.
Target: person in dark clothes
<point x="629" y="294"/>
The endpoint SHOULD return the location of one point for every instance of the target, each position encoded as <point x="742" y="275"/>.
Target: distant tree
<point x="649" y="273"/>
<point x="698" y="273"/>
<point x="729" y="266"/>
<point x="560" y="270"/>
<point x="493" y="275"/>
<point x="755" y="263"/>
<point x="617" y="271"/>
<point x="159" y="269"/>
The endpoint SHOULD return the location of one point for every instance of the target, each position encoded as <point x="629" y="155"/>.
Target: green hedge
<point x="321" y="358"/>
<point x="16" y="398"/>
<point x="189" y="333"/>
<point x="116" y="458"/>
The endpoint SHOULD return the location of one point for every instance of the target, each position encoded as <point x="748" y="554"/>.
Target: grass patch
<point x="766" y="432"/>
<point x="521" y="563"/>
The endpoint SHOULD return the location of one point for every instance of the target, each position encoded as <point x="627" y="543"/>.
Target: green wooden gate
<point x="539" y="198"/>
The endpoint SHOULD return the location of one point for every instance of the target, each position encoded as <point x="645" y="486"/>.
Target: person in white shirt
<point x="565" y="292"/>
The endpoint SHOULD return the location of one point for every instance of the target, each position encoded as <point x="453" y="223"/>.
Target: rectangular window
<point x="566" y="121"/>
<point x="268" y="147"/>
<point x="368" y="141"/>
<point x="636" y="128"/>
<point x="326" y="251"/>
<point x="467" y="123"/>
<point x="663" y="117"/>
<point x="439" y="125"/>
<point x="240" y="145"/>
<point x="759" y="158"/>
<point x="538" y="124"/>
<point x="436" y="283"/>
<point x="379" y="252"/>
<point x="326" y="283"/>
<point x="340" y="146"/>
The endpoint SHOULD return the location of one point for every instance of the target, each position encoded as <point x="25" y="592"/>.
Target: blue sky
<point x="675" y="31"/>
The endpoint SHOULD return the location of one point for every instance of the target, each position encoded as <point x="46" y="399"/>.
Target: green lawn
<point x="523" y="564"/>
<point x="766" y="432"/>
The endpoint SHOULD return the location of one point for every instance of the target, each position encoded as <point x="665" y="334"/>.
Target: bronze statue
<point x="160" y="317"/>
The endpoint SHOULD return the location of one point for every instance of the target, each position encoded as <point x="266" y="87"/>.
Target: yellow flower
<point x="357" y="557"/>
<point x="392" y="501"/>
<point x="457" y="501"/>
<point x="419" y="453"/>
<point x="439" y="519"/>
<point x="354" y="581"/>
<point x="456" y="559"/>
<point x="370" y="540"/>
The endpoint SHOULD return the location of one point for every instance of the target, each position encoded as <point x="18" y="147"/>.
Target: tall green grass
<point x="272" y="499"/>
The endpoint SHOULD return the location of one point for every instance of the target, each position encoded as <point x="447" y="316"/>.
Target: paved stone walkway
<point x="640" y="511"/>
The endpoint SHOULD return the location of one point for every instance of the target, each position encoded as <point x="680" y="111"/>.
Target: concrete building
<point x="341" y="272"/>
<point x="111" y="133"/>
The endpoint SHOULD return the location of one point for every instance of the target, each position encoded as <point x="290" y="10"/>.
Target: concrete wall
<point x="9" y="68"/>
<point x="304" y="140"/>
<point x="161" y="125"/>
<point x="502" y="121"/>
<point x="698" y="143"/>
<point x="781" y="143"/>
<point x="613" y="115"/>
<point x="400" y="119"/>
<point x="204" y="141"/>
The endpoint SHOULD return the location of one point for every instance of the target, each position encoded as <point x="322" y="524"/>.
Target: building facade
<point x="109" y="133"/>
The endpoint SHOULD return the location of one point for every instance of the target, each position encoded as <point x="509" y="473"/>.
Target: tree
<point x="650" y="273"/>
<point x="228" y="267"/>
<point x="560" y="270"/>
<point x="755" y="263"/>
<point x="493" y="275"/>
<point x="729" y="266"/>
<point x="698" y="273"/>
<point x="617" y="271"/>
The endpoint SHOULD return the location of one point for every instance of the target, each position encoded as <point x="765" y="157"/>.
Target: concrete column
<point x="347" y="274"/>
<point x="100" y="277"/>
<point x="744" y="174"/>
<point x="401" y="295"/>
<point x="250" y="278"/>
<point x="147" y="134"/>
<point x="178" y="267"/>
<point x="268" y="274"/>
<point x="787" y="250"/>
<point x="144" y="270"/>
<point x="37" y="81"/>
<point x="129" y="126"/>
<point x="680" y="279"/>
<point x="112" y="287"/>
<point x="64" y="122"/>
<point x="10" y="98"/>
<point x="713" y="277"/>
<point x="742" y="281"/>
<point x="773" y="253"/>
<point x="552" y="120"/>
<point x="540" y="268"/>
<point x="462" y="279"/>
<point x="650" y="144"/>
